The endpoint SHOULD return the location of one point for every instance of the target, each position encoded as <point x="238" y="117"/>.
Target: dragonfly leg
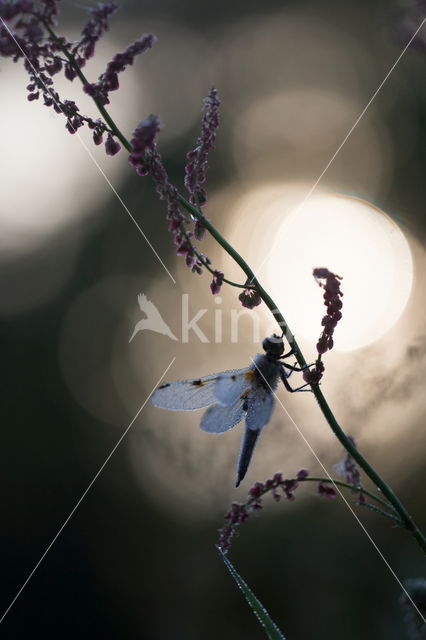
<point x="287" y="384"/>
<point x="287" y="355"/>
<point x="294" y="368"/>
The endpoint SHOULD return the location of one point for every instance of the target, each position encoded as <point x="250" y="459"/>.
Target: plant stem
<point x="338" y="483"/>
<point x="322" y="402"/>
<point x="373" y="507"/>
<point x="344" y="485"/>
<point x="116" y="131"/>
<point x="328" y="414"/>
<point x="367" y="468"/>
<point x="207" y="266"/>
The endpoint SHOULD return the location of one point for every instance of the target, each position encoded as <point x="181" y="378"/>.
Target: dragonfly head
<point x="274" y="346"/>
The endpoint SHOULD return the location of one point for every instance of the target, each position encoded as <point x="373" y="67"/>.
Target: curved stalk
<point x="378" y="482"/>
<point x="344" y="485"/>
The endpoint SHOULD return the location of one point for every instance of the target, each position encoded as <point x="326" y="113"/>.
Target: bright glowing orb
<point x="353" y="239"/>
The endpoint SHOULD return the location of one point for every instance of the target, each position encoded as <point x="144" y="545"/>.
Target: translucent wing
<point x="231" y="385"/>
<point x="187" y="395"/>
<point x="220" y="418"/>
<point x="260" y="403"/>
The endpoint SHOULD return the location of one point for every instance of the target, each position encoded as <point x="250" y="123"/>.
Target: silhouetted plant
<point x="28" y="34"/>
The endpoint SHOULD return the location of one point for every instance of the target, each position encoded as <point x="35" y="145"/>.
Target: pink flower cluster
<point x="94" y="29"/>
<point x="108" y="81"/>
<point x="146" y="159"/>
<point x="327" y="490"/>
<point x="332" y="300"/>
<point x="28" y="36"/>
<point x="196" y="167"/>
<point x="216" y="283"/>
<point x="239" y="513"/>
<point x="249" y="298"/>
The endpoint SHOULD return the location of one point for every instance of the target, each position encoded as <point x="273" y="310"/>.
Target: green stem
<point x="115" y="130"/>
<point x="205" y="264"/>
<point x="328" y="414"/>
<point x="373" y="507"/>
<point x="344" y="485"/>
<point x="367" y="468"/>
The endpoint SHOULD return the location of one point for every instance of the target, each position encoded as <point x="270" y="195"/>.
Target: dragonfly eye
<point x="274" y="346"/>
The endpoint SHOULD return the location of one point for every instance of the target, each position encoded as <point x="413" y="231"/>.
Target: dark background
<point x="138" y="560"/>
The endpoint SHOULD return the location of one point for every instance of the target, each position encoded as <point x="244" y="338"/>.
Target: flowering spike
<point x="196" y="167"/>
<point x="48" y="54"/>
<point x="239" y="513"/>
<point x="332" y="301"/>
<point x="108" y="81"/>
<point x="44" y="53"/>
<point x="94" y="29"/>
<point x="146" y="159"/>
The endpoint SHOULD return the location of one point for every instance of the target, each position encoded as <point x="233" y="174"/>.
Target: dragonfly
<point x="233" y="395"/>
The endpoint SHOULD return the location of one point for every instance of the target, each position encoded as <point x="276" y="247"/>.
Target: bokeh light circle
<point x="358" y="242"/>
<point x="284" y="238"/>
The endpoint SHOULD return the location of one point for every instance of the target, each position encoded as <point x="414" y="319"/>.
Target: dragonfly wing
<point x="219" y="418"/>
<point x="186" y="395"/>
<point x="231" y="385"/>
<point x="260" y="403"/>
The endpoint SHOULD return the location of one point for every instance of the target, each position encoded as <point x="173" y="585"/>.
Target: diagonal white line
<point x="84" y="494"/>
<point x="89" y="153"/>
<point x="337" y="489"/>
<point x="351" y="130"/>
<point x="361" y="115"/>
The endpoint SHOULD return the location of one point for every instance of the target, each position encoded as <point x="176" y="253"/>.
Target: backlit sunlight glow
<point x="355" y="240"/>
<point x="54" y="183"/>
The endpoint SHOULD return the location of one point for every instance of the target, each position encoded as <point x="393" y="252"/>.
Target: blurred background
<point x="137" y="560"/>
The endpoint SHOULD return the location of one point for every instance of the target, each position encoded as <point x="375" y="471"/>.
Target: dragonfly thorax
<point x="266" y="371"/>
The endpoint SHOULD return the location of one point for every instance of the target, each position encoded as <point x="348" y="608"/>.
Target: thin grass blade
<point x="271" y="629"/>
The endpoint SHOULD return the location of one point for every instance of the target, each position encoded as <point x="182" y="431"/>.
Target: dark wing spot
<point x="197" y="383"/>
<point x="233" y="378"/>
<point x="163" y="386"/>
